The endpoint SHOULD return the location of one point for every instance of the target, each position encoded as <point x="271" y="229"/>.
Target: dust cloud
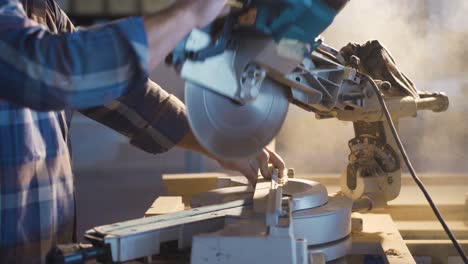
<point x="428" y="39"/>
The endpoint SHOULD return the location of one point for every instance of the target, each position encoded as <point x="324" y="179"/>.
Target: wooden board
<point x="379" y="236"/>
<point x="166" y="205"/>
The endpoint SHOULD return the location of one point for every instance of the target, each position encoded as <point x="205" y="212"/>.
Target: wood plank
<point x="380" y="236"/>
<point x="431" y="230"/>
<point x="165" y="205"/>
<point x="438" y="250"/>
<point x="186" y="185"/>
<point x="424" y="212"/>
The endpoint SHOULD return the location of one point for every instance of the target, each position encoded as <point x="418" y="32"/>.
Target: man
<point x="48" y="69"/>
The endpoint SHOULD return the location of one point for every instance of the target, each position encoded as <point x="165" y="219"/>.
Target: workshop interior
<point x="363" y="99"/>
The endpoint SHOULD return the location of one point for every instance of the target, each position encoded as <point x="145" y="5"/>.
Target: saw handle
<point x="437" y="102"/>
<point x="73" y="254"/>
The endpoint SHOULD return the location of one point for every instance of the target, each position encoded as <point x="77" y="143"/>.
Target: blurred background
<point x="427" y="38"/>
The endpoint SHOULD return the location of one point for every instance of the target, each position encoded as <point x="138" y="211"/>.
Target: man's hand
<point x="249" y="167"/>
<point x="167" y="28"/>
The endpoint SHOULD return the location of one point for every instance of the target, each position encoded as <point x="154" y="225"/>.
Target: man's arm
<point x="152" y="119"/>
<point x="88" y="67"/>
<point x="156" y="121"/>
<point x="47" y="71"/>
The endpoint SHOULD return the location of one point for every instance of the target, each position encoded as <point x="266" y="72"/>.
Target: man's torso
<point x="36" y="181"/>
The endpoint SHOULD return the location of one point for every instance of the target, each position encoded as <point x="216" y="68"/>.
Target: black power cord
<point x="411" y="169"/>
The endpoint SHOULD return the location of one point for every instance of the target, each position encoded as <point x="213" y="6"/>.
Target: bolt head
<point x="254" y="92"/>
<point x="355" y="61"/>
<point x="386" y="86"/>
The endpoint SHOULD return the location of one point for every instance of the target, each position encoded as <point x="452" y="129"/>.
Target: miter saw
<point x="241" y="74"/>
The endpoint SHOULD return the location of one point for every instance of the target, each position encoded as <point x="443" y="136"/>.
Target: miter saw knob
<point x="386" y="86"/>
<point x="436" y="102"/>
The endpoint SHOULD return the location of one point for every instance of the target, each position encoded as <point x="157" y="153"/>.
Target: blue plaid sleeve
<point x="153" y="120"/>
<point x="82" y="69"/>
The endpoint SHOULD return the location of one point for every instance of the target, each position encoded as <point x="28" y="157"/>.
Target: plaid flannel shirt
<point x="48" y="69"/>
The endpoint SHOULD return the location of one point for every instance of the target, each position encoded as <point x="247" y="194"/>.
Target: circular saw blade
<point x="233" y="131"/>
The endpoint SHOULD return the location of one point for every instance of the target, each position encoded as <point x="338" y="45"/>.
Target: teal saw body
<point x="300" y="20"/>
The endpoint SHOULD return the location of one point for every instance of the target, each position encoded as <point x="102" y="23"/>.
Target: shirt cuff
<point x="133" y="29"/>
